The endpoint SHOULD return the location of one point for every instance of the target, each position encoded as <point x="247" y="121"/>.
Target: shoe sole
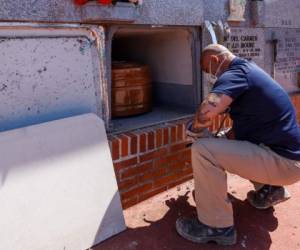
<point x="220" y="240"/>
<point x="266" y="207"/>
<point x="287" y="196"/>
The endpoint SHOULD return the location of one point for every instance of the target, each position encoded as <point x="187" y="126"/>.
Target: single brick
<point x="178" y="147"/>
<point x="142" y="143"/>
<point x="146" y="177"/>
<point x="136" y="191"/>
<point x="151" y="140"/>
<point x="152" y="155"/>
<point x="147" y="195"/>
<point x="124" y="145"/>
<point x="150" y="176"/>
<point x="127" y="184"/>
<point x="125" y="163"/>
<point x="129" y="202"/>
<point x="115" y="149"/>
<point x="186" y="171"/>
<point x="147" y="156"/>
<point x="173" y="134"/>
<point x="165" y="160"/>
<point x="180" y="181"/>
<point x="184" y="137"/>
<point x="133" y="144"/>
<point x="175" y="166"/>
<point x="166" y="136"/>
<point x="165" y="180"/>
<point x="187" y="154"/>
<point x="142" y="168"/>
<point x="162" y="161"/>
<point x="118" y="177"/>
<point x="159" y="137"/>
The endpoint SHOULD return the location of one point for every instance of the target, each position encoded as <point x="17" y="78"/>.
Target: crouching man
<point x="265" y="149"/>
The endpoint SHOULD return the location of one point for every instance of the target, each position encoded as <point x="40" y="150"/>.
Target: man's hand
<point x="230" y="134"/>
<point x="193" y="135"/>
<point x="213" y="105"/>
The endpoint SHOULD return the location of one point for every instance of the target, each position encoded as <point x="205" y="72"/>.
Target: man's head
<point x="215" y="59"/>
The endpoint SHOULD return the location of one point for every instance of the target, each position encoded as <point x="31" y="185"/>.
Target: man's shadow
<point x="253" y="227"/>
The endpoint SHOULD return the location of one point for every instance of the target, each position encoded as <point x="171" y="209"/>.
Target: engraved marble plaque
<point x="247" y="43"/>
<point x="287" y="64"/>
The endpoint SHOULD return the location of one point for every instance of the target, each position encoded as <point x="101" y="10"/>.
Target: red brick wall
<point x="149" y="161"/>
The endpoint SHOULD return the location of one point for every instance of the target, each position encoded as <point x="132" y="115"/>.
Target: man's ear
<point x="214" y="59"/>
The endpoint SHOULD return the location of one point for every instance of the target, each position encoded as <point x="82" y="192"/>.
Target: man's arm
<point x="213" y="105"/>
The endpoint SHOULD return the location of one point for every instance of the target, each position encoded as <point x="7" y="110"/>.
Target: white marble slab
<point x="57" y="186"/>
<point x="50" y="73"/>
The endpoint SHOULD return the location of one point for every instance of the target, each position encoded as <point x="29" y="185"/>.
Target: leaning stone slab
<point x="57" y="186"/>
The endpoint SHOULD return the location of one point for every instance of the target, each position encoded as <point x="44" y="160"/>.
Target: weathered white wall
<point x="179" y="12"/>
<point x="47" y="74"/>
<point x="284" y="14"/>
<point x="168" y="52"/>
<point x="168" y="12"/>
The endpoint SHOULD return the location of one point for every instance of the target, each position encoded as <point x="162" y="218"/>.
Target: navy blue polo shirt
<point x="261" y="109"/>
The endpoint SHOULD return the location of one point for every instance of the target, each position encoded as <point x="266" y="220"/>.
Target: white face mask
<point x="210" y="77"/>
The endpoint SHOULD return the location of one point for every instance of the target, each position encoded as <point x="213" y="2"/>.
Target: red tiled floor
<point x="151" y="223"/>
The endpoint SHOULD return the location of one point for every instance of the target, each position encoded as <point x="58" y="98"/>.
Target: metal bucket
<point x="131" y="89"/>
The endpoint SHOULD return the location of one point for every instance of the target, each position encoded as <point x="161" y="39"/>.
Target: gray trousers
<point x="212" y="157"/>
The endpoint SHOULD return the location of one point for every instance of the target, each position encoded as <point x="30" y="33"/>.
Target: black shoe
<point x="268" y="196"/>
<point x="193" y="230"/>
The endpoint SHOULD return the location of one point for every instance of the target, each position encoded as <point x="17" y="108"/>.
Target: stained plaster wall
<point x="167" y="12"/>
<point x="275" y="20"/>
<point x="48" y="74"/>
<point x="272" y="15"/>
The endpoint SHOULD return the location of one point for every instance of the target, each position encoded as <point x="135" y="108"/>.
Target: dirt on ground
<point x="151" y="224"/>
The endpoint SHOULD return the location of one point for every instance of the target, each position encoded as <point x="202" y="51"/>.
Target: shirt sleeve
<point x="232" y="83"/>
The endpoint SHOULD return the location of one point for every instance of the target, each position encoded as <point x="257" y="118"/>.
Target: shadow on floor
<point x="253" y="226"/>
